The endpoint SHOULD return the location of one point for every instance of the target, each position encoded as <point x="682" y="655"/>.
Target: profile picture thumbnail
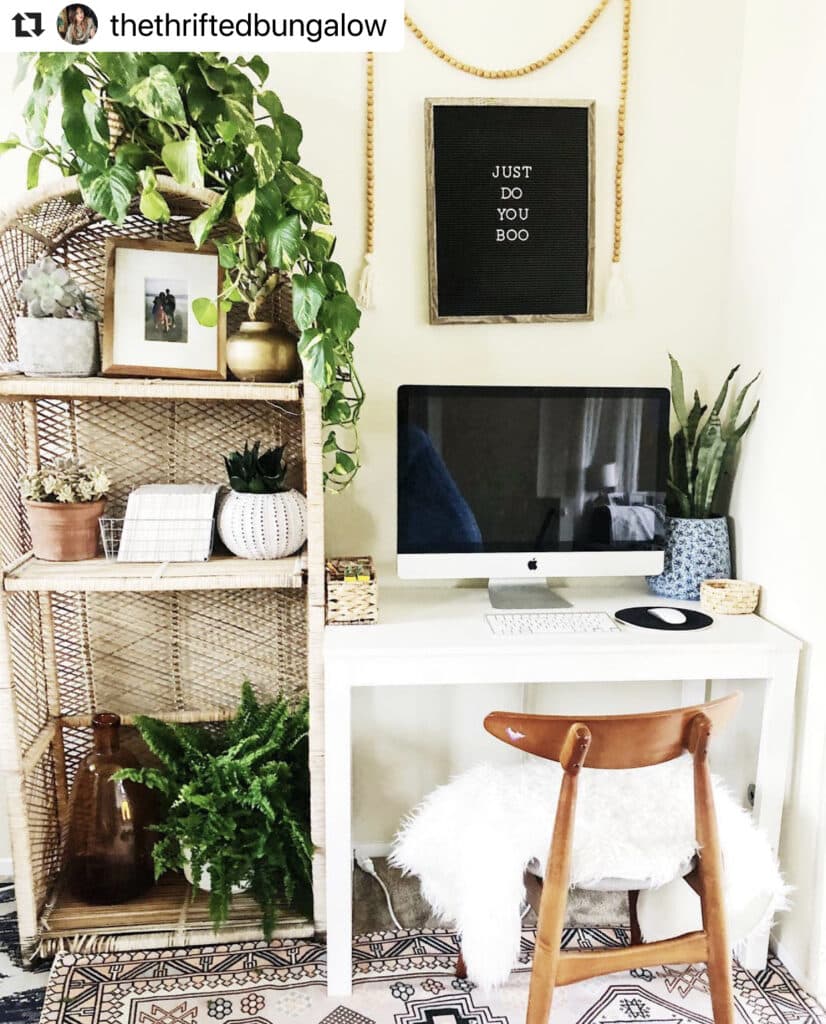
<point x="77" y="24"/>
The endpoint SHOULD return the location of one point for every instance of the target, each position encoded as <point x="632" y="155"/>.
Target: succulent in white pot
<point x="260" y="517"/>
<point x="58" y="337"/>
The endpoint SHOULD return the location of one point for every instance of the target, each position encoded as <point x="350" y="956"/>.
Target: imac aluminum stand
<point x="521" y="594"/>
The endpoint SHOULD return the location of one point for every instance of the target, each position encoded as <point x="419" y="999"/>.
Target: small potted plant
<point x="701" y="468"/>
<point x="237" y="804"/>
<point x="64" y="501"/>
<point x="58" y="337"/>
<point x="260" y="517"/>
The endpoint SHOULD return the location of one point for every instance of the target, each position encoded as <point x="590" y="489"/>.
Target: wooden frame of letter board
<point x="525" y="318"/>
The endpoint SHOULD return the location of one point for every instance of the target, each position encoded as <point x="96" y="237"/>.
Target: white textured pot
<point x="51" y="347"/>
<point x="205" y="882"/>
<point x="262" y="525"/>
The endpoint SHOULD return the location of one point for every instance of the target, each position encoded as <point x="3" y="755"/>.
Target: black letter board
<point x="510" y="210"/>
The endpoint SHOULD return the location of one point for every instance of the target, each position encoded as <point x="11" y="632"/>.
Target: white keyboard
<point x="526" y="623"/>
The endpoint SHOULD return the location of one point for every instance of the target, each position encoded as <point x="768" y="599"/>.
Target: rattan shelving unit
<point x="175" y="642"/>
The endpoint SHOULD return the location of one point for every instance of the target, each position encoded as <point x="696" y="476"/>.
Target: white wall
<point x="679" y="172"/>
<point x="776" y="323"/>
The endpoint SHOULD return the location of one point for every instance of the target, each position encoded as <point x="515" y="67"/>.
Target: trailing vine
<point x="210" y="122"/>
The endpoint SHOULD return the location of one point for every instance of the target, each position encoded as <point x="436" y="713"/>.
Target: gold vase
<point x="263" y="352"/>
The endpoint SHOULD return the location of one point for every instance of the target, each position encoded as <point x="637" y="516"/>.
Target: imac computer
<point x="519" y="484"/>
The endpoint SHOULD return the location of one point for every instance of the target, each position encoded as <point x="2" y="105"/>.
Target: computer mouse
<point x="670" y="616"/>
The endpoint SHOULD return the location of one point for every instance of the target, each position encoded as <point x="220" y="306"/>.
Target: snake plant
<point x="704" y="453"/>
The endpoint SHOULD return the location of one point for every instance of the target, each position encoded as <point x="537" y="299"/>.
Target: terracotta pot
<point x="65" y="532"/>
<point x="264" y="352"/>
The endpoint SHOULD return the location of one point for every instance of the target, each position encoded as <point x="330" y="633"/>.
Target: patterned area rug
<point x="402" y="978"/>
<point x="21" y="992"/>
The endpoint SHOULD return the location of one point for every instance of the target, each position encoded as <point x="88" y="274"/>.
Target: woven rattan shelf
<point x="110" y="387"/>
<point x="174" y="641"/>
<point x="226" y="573"/>
<point x="167" y="915"/>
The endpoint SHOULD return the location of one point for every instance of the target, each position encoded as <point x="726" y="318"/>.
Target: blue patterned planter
<point x="695" y="550"/>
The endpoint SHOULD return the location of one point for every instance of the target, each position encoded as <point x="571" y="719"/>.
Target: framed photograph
<point x="149" y="329"/>
<point x="510" y="200"/>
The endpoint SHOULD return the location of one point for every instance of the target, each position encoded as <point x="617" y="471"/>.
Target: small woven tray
<point x="352" y="591"/>
<point x="729" y="597"/>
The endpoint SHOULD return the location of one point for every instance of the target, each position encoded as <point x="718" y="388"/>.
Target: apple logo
<point x="533" y="565"/>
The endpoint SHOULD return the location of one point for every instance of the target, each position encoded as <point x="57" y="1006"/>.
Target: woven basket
<point x="729" y="597"/>
<point x="352" y="591"/>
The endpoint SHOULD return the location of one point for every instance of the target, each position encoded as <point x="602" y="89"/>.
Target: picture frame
<point x="540" y="268"/>
<point x="149" y="329"/>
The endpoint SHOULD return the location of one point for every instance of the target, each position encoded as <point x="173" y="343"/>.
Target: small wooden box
<point x="352" y="591"/>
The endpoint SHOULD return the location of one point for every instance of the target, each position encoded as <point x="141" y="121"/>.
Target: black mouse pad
<point x="642" y="617"/>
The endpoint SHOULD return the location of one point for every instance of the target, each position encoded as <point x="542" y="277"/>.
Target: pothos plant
<point x="210" y="122"/>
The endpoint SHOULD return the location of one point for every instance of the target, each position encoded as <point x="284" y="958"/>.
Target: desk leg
<point x="694" y="691"/>
<point x="774" y="761"/>
<point x="338" y="810"/>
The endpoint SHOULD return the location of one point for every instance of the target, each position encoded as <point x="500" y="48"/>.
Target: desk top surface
<point x="449" y="620"/>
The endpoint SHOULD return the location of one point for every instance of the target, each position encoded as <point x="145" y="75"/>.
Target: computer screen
<point x="527" y="471"/>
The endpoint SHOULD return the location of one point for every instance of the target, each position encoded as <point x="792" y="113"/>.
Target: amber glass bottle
<point x="108" y="856"/>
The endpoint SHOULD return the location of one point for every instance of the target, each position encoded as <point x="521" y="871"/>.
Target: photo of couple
<point x="165" y="310"/>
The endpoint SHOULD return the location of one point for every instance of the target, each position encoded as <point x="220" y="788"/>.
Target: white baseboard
<point x="7" y="868"/>
<point x="794" y="966"/>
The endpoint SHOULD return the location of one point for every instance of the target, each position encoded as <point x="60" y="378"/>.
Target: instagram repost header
<point x="288" y="26"/>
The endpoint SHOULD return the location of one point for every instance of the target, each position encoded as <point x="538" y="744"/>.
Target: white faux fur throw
<point x="470" y="841"/>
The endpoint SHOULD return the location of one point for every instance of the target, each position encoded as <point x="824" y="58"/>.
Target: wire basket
<point x="157" y="540"/>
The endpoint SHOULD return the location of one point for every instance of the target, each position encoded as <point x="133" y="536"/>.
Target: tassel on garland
<point x="616" y="294"/>
<point x="365" y="292"/>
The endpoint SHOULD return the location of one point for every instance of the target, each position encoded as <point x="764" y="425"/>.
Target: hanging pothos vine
<point x="209" y="122"/>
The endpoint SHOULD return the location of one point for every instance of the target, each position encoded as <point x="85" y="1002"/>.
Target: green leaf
<point x="319" y="246"/>
<point x="227" y="130"/>
<point x="265" y="150"/>
<point x="226" y="254"/>
<point x="134" y="155"/>
<point x="303" y="197"/>
<point x="184" y="161"/>
<point x="331" y="443"/>
<point x="33" y="170"/>
<point x="205" y="312"/>
<point x="109" y="191"/>
<point x="205" y="221"/>
<point x="308" y="294"/>
<point x="154" y="206"/>
<point x="284" y="242"/>
<point x="74" y="122"/>
<point x="271" y="103"/>
<point x="122" y="68"/>
<point x="317" y="351"/>
<point x="721" y="398"/>
<point x="344" y="464"/>
<point x="337" y="410"/>
<point x="678" y="392"/>
<point x="341" y="315"/>
<point x="96" y="120"/>
<point x="157" y="96"/>
<point x="291" y="136"/>
<point x="257" y="65"/>
<point x="334" y="277"/>
<point x="244" y="205"/>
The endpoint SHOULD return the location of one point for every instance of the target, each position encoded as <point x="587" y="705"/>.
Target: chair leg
<point x="461" y="969"/>
<point x="552" y="907"/>
<point x="710" y="877"/>
<point x="636" y="935"/>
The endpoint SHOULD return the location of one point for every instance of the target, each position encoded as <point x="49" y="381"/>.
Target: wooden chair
<point x="618" y="742"/>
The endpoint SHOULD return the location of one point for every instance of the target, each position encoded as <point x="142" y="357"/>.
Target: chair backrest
<point x="617" y="741"/>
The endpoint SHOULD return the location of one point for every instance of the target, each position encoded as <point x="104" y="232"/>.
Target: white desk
<point x="438" y="636"/>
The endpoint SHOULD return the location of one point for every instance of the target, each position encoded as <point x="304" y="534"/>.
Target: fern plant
<point x="237" y="803"/>
<point x="704" y="454"/>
